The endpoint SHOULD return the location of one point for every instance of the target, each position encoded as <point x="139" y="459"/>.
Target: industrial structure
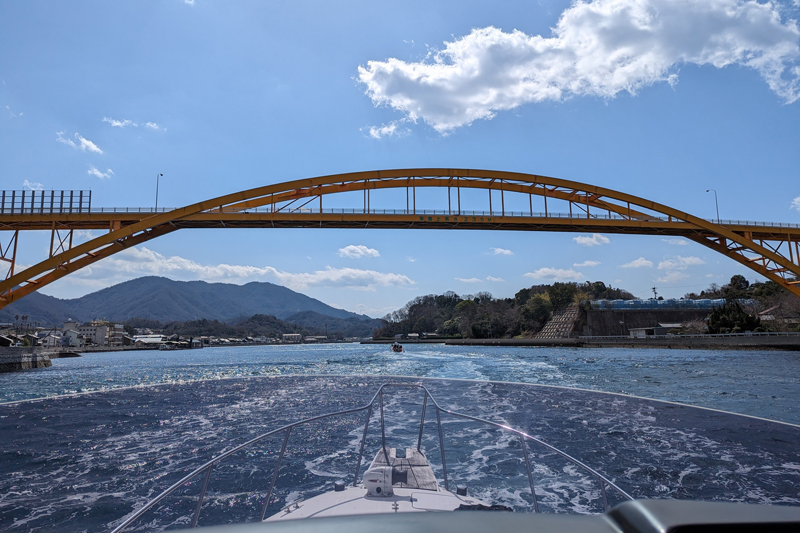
<point x="551" y="204"/>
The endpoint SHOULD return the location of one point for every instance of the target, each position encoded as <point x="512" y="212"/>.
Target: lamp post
<point x="716" y="203"/>
<point x="158" y="176"/>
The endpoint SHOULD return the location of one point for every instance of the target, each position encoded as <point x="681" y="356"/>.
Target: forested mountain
<point x="165" y="300"/>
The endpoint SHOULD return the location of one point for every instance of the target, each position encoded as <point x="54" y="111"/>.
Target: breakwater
<point x="743" y="341"/>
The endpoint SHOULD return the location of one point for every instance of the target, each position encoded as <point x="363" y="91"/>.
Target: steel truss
<point x="771" y="250"/>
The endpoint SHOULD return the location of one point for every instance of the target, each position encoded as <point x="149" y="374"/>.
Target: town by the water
<point x="737" y="315"/>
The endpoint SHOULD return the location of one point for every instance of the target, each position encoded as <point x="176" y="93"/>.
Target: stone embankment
<point x="12" y="359"/>
<point x="772" y="341"/>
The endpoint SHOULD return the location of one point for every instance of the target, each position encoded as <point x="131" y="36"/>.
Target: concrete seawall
<point x="12" y="359"/>
<point x="700" y="342"/>
<point x="621" y="321"/>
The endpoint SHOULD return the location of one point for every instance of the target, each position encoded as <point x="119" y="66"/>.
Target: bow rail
<point x="207" y="468"/>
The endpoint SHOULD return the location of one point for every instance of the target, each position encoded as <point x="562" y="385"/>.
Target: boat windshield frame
<point x="208" y="467"/>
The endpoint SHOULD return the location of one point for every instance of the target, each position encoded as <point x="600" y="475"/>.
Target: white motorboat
<point x="400" y="483"/>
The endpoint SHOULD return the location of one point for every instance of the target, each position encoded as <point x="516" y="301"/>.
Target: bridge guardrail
<point x="84" y="209"/>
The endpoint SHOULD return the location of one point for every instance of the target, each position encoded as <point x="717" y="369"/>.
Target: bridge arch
<point x="768" y="249"/>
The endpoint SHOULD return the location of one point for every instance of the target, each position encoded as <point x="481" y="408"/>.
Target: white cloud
<point x="411" y="259"/>
<point x="65" y="140"/>
<point x="364" y="309"/>
<point x="501" y="251"/>
<point x="597" y="48"/>
<point x="83" y="235"/>
<point x="98" y="174"/>
<point x="153" y="126"/>
<point x="189" y="2"/>
<point x="796" y="201"/>
<point x="82" y="143"/>
<point x="142" y="261"/>
<point x="556" y="274"/>
<point x="672" y="276"/>
<point x="357" y="251"/>
<point x="119" y="123"/>
<point x="676" y="241"/>
<point x="595" y="240"/>
<point x="32" y="185"/>
<point x="12" y="114"/>
<point x="638" y="263"/>
<point x="588" y="263"/>
<point x="680" y="263"/>
<point x="494" y="279"/>
<point x="392" y="129"/>
<point x="469" y="280"/>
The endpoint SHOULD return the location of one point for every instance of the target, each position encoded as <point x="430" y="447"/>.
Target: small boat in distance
<point x="397" y="347"/>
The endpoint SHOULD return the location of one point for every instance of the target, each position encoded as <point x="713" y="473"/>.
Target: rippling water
<point x="763" y="384"/>
<point x="84" y="461"/>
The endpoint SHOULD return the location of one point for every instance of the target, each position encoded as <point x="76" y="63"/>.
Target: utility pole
<point x="655" y="294"/>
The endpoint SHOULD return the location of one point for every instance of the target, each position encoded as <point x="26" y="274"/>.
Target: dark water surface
<point x="82" y="462"/>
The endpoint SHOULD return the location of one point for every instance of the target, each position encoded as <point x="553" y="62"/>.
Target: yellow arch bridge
<point x="550" y="204"/>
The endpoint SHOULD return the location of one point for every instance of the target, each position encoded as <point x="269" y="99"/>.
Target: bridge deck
<point x="392" y="219"/>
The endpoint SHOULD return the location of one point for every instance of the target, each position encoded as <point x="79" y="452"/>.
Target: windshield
<point x="574" y="227"/>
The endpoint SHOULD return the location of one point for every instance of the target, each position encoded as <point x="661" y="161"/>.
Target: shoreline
<point x="789" y="342"/>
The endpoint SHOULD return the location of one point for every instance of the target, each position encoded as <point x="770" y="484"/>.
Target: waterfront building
<point x="72" y="338"/>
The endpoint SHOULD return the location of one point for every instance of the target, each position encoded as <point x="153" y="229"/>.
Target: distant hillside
<point x="348" y="327"/>
<point x="164" y="300"/>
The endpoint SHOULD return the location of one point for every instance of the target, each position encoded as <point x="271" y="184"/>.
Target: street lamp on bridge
<point x="716" y="203"/>
<point x="160" y="175"/>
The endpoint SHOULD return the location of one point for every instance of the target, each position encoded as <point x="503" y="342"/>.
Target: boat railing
<point x="206" y="469"/>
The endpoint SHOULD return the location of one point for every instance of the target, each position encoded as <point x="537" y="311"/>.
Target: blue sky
<point x="656" y="98"/>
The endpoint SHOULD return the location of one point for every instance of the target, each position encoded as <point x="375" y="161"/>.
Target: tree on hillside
<point x="561" y="294"/>
<point x="731" y="317"/>
<point x="536" y="312"/>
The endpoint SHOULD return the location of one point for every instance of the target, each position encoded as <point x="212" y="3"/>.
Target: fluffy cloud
<point x="595" y="240"/>
<point x="98" y="174"/>
<point x="796" y="203"/>
<point x="32" y="185"/>
<point x="680" y="263"/>
<point x="672" y="277"/>
<point x="120" y="123"/>
<point x="142" y="261"/>
<point x="357" y="251"/>
<point x="598" y="48"/>
<point x="126" y="122"/>
<point x="478" y="280"/>
<point x="501" y="251"/>
<point x="79" y="143"/>
<point x="392" y="129"/>
<point x="588" y="263"/>
<point x="638" y="263"/>
<point x="676" y="241"/>
<point x="555" y="274"/>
